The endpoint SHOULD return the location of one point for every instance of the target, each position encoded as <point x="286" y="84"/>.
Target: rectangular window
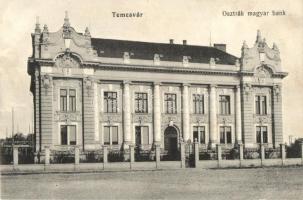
<point x="110" y="102"/>
<point x="141" y="105"/>
<point x="114" y="132"/>
<point x="111" y="135"/>
<point x="72" y="135"/>
<point x="225" y="135"/>
<point x="170" y="103"/>
<point x="68" y="135"/>
<point x="72" y="100"/>
<point x="142" y="135"/>
<point x="145" y="135"/>
<point x="63" y="100"/>
<point x="261" y="106"/>
<point x="106" y="135"/>
<point x="224" y="102"/>
<point x="199" y="134"/>
<point x="262" y="134"/>
<point x="198" y="103"/>
<point x="63" y="135"/>
<point x="138" y="135"/>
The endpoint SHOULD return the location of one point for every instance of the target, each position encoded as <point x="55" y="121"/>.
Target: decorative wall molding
<point x="67" y="117"/>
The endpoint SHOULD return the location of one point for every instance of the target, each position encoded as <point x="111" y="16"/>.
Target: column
<point x="262" y="152"/>
<point x="126" y="115"/>
<point x="238" y="115"/>
<point x="185" y="109"/>
<point x="219" y="154"/>
<point x="157" y="114"/>
<point x="213" y="116"/>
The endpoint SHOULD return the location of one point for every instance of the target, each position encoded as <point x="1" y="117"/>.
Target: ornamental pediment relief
<point x="67" y="60"/>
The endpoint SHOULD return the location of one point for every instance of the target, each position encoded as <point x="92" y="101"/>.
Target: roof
<point x="170" y="52"/>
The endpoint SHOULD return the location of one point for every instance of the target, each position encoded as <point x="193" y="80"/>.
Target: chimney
<point x="221" y="47"/>
<point x="171" y="41"/>
<point x="184" y="42"/>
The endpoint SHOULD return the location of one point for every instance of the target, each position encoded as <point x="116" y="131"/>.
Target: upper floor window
<point x="261" y="133"/>
<point x="198" y="103"/>
<point x="261" y="107"/>
<point x="224" y="102"/>
<point x="72" y="100"/>
<point x="170" y="103"/>
<point x="110" y="102"/>
<point x="141" y="105"/>
<point x="67" y="97"/>
<point x="199" y="134"/>
<point x="225" y="135"/>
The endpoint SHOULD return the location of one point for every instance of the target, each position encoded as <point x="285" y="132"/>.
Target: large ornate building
<point x="92" y="92"/>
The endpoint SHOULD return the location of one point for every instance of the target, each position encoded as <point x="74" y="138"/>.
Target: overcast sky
<point x="161" y="20"/>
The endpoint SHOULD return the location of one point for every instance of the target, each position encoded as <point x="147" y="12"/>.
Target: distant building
<point x="92" y="92"/>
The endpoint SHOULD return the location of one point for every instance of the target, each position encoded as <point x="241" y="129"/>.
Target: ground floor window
<point x="262" y="134"/>
<point x="110" y="135"/>
<point x="68" y="135"/>
<point x="199" y="134"/>
<point x="225" y="135"/>
<point x="142" y="135"/>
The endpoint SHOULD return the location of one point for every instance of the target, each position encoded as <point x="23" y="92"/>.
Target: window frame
<point x="68" y="103"/>
<point x="198" y="104"/>
<point x="110" y="102"/>
<point x="141" y="102"/>
<point x="141" y="127"/>
<point x="200" y="131"/>
<point x="68" y="134"/>
<point x="111" y="143"/>
<point x="225" y="105"/>
<point x="170" y="104"/>
<point x="261" y="104"/>
<point x="225" y="132"/>
<point x="260" y="137"/>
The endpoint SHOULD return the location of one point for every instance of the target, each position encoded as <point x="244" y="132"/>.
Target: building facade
<point x="92" y="92"/>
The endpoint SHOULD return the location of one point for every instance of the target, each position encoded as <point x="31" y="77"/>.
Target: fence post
<point x="262" y="149"/>
<point x="219" y="154"/>
<point x="77" y="155"/>
<point x="15" y="155"/>
<point x="283" y="155"/>
<point x="47" y="155"/>
<point x="158" y="155"/>
<point x="105" y="156"/>
<point x="182" y="149"/>
<point x="131" y="155"/>
<point x="196" y="143"/>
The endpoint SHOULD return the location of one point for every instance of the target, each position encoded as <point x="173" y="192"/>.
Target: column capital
<point x="126" y="82"/>
<point x="212" y="85"/>
<point x="156" y="83"/>
<point x="186" y="84"/>
<point x="237" y="87"/>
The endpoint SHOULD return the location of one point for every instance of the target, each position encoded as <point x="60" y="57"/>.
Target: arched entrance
<point x="171" y="143"/>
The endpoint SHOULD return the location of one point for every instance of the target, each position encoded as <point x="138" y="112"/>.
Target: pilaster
<point x="213" y="116"/>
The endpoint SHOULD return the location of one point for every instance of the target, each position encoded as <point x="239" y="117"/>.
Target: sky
<point x="193" y="20"/>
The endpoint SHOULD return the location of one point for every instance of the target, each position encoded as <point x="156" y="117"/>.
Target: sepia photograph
<point x="151" y="99"/>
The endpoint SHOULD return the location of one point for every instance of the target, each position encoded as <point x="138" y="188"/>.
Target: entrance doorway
<point x="171" y="143"/>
